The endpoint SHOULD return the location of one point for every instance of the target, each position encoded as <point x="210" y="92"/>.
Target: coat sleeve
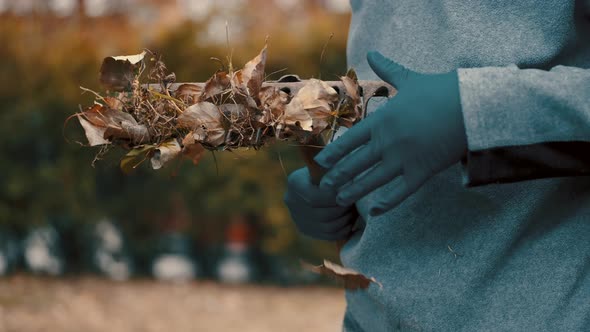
<point x="525" y="123"/>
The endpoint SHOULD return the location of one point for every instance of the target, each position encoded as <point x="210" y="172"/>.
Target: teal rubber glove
<point x="315" y="211"/>
<point x="413" y="136"/>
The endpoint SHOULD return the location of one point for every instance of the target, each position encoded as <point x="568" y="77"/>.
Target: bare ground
<point x="93" y="304"/>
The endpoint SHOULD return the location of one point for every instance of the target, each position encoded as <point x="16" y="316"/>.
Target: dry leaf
<point x="252" y="75"/>
<point x="317" y="94"/>
<point x="217" y="84"/>
<point x="351" y="109"/>
<point x="94" y="134"/>
<point x="351" y="85"/>
<point x="352" y="279"/>
<point x="164" y="153"/>
<point x="128" y="130"/>
<point x="315" y="99"/>
<point x="119" y="72"/>
<point x="240" y="94"/>
<point x="192" y="149"/>
<point x="207" y="117"/>
<point x="116" y="124"/>
<point x="296" y="115"/>
<point x="188" y="93"/>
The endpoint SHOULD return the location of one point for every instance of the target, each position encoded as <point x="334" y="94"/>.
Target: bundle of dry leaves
<point x="145" y="112"/>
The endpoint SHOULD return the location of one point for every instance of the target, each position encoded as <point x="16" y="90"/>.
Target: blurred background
<point x="199" y="248"/>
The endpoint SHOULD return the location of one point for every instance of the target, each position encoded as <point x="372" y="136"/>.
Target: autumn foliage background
<point x="45" y="55"/>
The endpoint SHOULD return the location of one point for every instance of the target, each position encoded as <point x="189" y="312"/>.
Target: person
<point x="467" y="194"/>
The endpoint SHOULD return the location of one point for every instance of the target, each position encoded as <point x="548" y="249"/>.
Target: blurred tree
<point x="44" y="60"/>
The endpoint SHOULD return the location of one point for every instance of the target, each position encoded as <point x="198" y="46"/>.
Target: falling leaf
<point x="217" y="84"/>
<point x="135" y="157"/>
<point x="118" y="73"/>
<point x="205" y="116"/>
<point x="164" y="153"/>
<point x="352" y="279"/>
<point x="192" y="149"/>
<point x="189" y="93"/>
<point x="253" y="73"/>
<point x="94" y="134"/>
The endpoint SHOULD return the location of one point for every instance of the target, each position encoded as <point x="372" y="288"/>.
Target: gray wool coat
<point x="500" y="241"/>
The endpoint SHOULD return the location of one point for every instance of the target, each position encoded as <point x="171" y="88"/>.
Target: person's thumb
<point x="389" y="71"/>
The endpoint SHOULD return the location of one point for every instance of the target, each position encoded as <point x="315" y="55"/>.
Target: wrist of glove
<point x="410" y="138"/>
<point x="315" y="211"/>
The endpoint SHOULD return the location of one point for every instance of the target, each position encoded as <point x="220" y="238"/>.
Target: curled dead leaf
<point x="351" y="279"/>
<point x="128" y="130"/>
<point x="206" y="118"/>
<point x="252" y="75"/>
<point x="94" y="134"/>
<point x="351" y="85"/>
<point x="296" y="115"/>
<point x="239" y="91"/>
<point x="164" y="153"/>
<point x="317" y="94"/>
<point x="217" y="84"/>
<point x="117" y="73"/>
<point x="115" y="125"/>
<point x="312" y="106"/>
<point x="351" y="108"/>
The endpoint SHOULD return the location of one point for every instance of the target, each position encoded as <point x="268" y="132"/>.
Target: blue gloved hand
<point x="410" y="138"/>
<point x="315" y="211"/>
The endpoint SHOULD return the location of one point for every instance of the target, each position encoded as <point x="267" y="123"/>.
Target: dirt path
<point x="91" y="304"/>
